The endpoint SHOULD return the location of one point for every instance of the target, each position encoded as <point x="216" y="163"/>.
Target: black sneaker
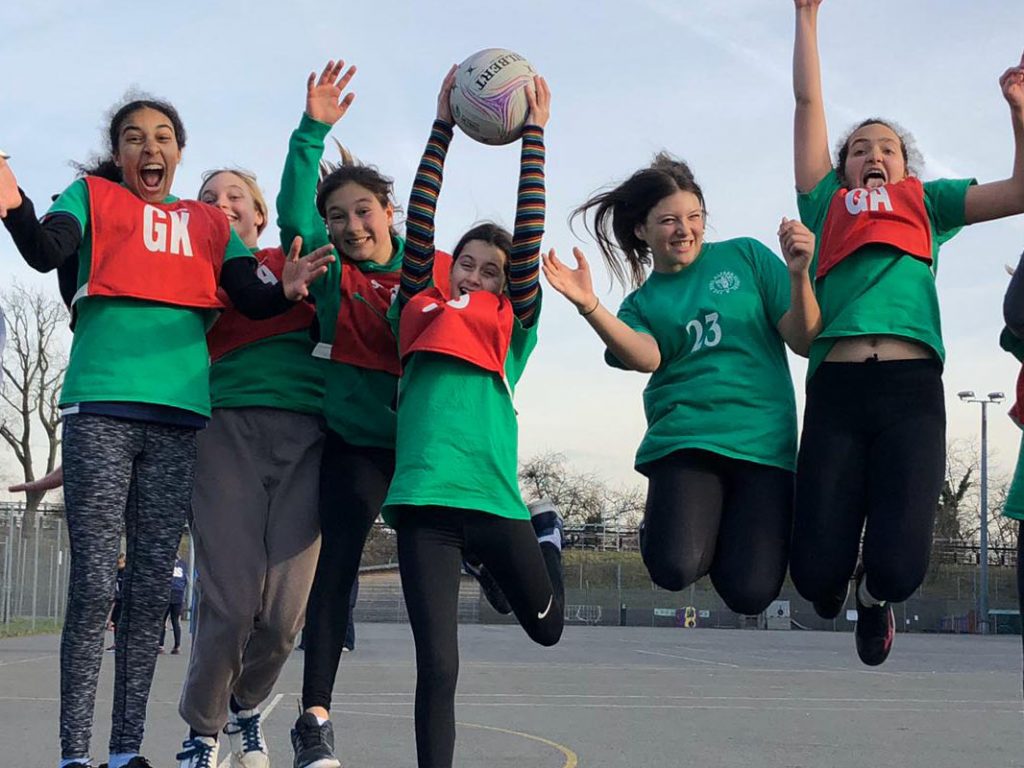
<point x="875" y="630"/>
<point x="313" y="743"/>
<point x="488" y="585"/>
<point x="136" y="762"/>
<point x="831" y="606"/>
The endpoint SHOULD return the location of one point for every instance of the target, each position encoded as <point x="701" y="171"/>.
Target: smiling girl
<point x="708" y="321"/>
<point x="455" y="488"/>
<point x="872" y="452"/>
<point x="256" y="487"/>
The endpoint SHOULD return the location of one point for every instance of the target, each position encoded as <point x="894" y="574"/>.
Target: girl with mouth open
<point x="872" y="453"/>
<point x="455" y="486"/>
<point x="709" y="321"/>
<point x="136" y="391"/>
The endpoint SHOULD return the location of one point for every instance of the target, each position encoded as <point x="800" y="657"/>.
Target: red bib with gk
<point x="169" y="253"/>
<point x="475" y="327"/>
<point x="233" y="329"/>
<point x="893" y="214"/>
<point x="362" y="334"/>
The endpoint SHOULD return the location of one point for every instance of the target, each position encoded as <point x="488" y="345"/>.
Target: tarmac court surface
<point x="605" y="697"/>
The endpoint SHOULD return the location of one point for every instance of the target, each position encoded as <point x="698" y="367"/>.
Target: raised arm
<point x="524" y="261"/>
<point x="418" y="262"/>
<point x="44" y="245"/>
<point x="637" y="351"/>
<point x="297" y="215"/>
<point x="801" y="323"/>
<point x="997" y="199"/>
<point x="811" y="159"/>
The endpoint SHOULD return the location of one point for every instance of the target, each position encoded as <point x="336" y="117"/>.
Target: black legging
<point x="354" y="481"/>
<point x="174" y="614"/>
<point x="708" y="513"/>
<point x="873" y="450"/>
<point x="1020" y="584"/>
<point x="431" y="542"/>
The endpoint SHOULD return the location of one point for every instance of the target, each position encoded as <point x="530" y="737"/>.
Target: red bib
<point x="893" y="214"/>
<point x="362" y="333"/>
<point x="169" y="253"/>
<point x="233" y="329"/>
<point x="476" y="327"/>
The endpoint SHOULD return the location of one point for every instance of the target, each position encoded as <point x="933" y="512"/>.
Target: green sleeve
<point x="772" y="280"/>
<point x="813" y="205"/>
<point x="297" y="215"/>
<point x="236" y="248"/>
<point x="74" y="201"/>
<point x="1012" y="344"/>
<point x="630" y="314"/>
<point x="944" y="199"/>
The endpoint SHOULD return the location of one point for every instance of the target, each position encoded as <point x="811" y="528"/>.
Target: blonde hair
<point x="249" y="179"/>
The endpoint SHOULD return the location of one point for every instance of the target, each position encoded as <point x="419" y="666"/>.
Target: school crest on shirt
<point x="723" y="283"/>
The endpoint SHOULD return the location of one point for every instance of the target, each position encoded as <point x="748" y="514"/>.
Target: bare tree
<point x="582" y="497"/>
<point x="33" y="366"/>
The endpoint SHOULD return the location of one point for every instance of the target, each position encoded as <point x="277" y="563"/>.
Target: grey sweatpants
<point x="256" y="531"/>
<point x="118" y="470"/>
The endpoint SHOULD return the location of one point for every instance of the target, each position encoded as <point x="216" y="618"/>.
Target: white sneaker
<point x="248" y="747"/>
<point x="198" y="752"/>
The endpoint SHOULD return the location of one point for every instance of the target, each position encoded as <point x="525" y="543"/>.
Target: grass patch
<point x="23" y="627"/>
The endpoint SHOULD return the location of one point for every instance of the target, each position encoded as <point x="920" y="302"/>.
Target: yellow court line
<point x="571" y="760"/>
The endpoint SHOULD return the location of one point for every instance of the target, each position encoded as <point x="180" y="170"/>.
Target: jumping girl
<point x="352" y="300"/>
<point x="136" y="391"/>
<point x="256" y="487"/>
<point x="708" y="321"/>
<point x="872" y="453"/>
<point x="455" y="488"/>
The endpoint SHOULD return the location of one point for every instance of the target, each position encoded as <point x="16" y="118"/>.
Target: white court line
<point x="263" y="716"/>
<point x="688" y="658"/>
<point x="29" y="661"/>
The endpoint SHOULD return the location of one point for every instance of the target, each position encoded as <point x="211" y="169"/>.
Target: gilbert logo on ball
<point x="489" y="98"/>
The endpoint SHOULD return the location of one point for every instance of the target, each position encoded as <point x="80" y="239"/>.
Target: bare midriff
<point x="857" y="349"/>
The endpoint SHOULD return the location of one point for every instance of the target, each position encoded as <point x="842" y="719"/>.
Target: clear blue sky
<point x="709" y="81"/>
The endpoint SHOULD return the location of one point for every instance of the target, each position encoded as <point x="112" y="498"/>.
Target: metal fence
<point x="34" y="564"/>
<point x="606" y="583"/>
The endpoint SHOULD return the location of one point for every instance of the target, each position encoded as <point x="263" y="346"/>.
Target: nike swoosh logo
<point x="551" y="601"/>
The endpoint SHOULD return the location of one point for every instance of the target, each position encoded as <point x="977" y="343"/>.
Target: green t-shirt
<point x="1014" y="506"/>
<point x="358" y="402"/>
<point x="127" y="350"/>
<point x="723" y="384"/>
<point x="879" y="290"/>
<point x="458" y="438"/>
<point x="278" y="372"/>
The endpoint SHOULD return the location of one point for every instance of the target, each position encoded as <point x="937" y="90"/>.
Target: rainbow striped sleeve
<point x="524" y="263"/>
<point x="418" y="263"/>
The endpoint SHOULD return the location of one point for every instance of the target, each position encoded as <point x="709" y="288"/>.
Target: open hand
<point x="324" y="100"/>
<point x="444" y="103"/>
<point x="575" y="284"/>
<point x="299" y="273"/>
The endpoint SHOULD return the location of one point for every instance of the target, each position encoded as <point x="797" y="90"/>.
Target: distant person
<point x="115" y="609"/>
<point x="179" y="584"/>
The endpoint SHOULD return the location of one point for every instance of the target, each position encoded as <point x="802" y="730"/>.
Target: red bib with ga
<point x="476" y="327"/>
<point x="893" y="214"/>
<point x="362" y="334"/>
<point x="169" y="253"/>
<point x="233" y="329"/>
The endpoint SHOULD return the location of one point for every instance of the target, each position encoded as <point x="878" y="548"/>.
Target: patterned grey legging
<point x="140" y="473"/>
